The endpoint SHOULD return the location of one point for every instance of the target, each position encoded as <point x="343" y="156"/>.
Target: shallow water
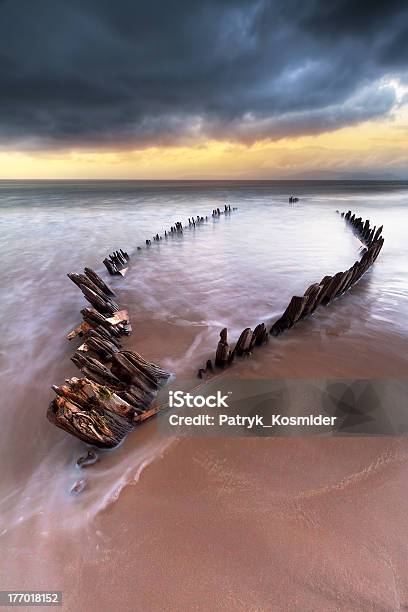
<point x="234" y="271"/>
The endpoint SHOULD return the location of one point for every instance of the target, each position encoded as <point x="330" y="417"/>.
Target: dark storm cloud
<point x="100" y="72"/>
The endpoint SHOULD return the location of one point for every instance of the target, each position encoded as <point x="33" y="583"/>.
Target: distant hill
<point x="333" y="175"/>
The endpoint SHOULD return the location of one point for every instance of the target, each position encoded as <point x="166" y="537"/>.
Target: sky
<point x="217" y="89"/>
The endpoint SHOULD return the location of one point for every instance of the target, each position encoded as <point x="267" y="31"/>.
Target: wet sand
<point x="244" y="524"/>
<point x="260" y="524"/>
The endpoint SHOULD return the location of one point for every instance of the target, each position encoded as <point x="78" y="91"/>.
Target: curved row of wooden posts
<point x="118" y="386"/>
<point x="299" y="307"/>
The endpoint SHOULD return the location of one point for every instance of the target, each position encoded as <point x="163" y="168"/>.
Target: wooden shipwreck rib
<point x="105" y="316"/>
<point x="117" y="262"/>
<point x="112" y="399"/>
<point x="321" y="293"/>
<point x="119" y="387"/>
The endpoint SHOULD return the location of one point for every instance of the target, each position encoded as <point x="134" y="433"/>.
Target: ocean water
<point x="231" y="272"/>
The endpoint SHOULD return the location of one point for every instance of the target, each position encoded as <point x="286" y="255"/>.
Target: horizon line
<point x="195" y="180"/>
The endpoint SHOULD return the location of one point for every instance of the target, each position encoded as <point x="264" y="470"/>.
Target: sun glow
<point x="375" y="147"/>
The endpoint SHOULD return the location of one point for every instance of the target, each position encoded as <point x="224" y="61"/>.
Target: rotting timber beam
<point x="108" y="402"/>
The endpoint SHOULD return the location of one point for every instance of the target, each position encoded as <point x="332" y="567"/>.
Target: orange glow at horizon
<point x="376" y="146"/>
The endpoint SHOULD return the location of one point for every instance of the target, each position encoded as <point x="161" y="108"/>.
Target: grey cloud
<point x="98" y="73"/>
